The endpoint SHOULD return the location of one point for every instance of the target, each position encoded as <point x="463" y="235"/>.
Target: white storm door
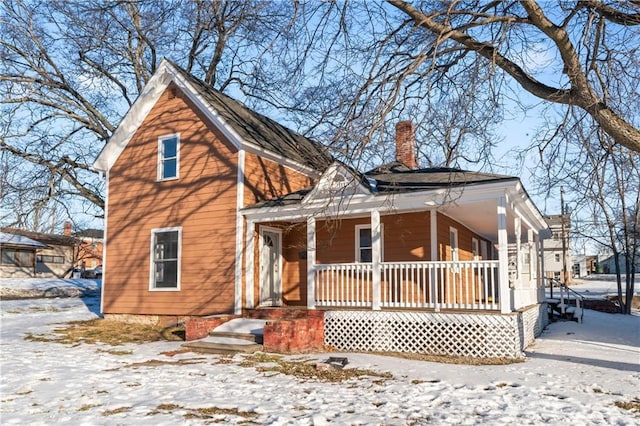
<point x="270" y="267"/>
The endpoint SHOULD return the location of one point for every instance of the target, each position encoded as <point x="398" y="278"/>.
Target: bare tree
<point x="70" y="70"/>
<point x="593" y="46"/>
<point x="603" y="179"/>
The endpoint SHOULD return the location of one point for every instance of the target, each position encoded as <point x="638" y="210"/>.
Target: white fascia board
<point x="362" y="204"/>
<point x="527" y="209"/>
<point x="134" y="117"/>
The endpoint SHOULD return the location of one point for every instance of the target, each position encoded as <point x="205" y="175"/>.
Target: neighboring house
<point x="56" y="259"/>
<point x="554" y="256"/>
<point x="89" y="249"/>
<point x="18" y="257"/>
<point x="215" y="209"/>
<point x="607" y="264"/>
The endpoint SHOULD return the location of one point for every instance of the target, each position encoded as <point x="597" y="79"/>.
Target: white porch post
<point x="533" y="276"/>
<point x="250" y="259"/>
<point x="503" y="257"/>
<point x="541" y="273"/>
<point x="376" y="259"/>
<point x="311" y="262"/>
<point x="433" y="288"/>
<point x="518" y="284"/>
<point x="518" y="230"/>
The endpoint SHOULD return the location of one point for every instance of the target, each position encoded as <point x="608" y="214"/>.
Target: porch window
<point x="17" y="257"/>
<point x="474" y="249"/>
<point x="364" y="243"/>
<point x="168" y="155"/>
<point x="453" y="244"/>
<point x="165" y="259"/>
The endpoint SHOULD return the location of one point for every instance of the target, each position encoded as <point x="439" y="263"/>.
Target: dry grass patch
<point x="448" y="359"/>
<point x="87" y="407"/>
<point x="158" y="363"/>
<point x="633" y="405"/>
<point x="211" y="412"/>
<point x="105" y="331"/>
<point x="304" y="369"/>
<point x="115" y="411"/>
<point x="202" y="413"/>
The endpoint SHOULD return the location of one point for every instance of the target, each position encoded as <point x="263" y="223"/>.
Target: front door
<point x="270" y="267"/>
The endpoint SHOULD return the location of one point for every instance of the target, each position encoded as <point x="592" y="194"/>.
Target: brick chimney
<point x="67" y="229"/>
<point x="406" y="144"/>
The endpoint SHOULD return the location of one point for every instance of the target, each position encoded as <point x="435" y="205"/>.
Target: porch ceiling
<point x="480" y="217"/>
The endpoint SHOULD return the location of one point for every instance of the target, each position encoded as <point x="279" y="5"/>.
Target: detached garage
<point x="18" y="257"/>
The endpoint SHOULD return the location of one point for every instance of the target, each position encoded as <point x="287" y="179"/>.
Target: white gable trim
<point x="164" y="75"/>
<point x="337" y="182"/>
<point x="134" y="117"/>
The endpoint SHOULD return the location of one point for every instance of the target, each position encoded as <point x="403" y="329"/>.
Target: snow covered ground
<point x="574" y="373"/>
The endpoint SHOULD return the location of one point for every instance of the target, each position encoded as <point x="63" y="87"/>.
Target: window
<point x="557" y="257"/>
<point x="168" y="154"/>
<point x="474" y="249"/>
<point x="364" y="243"/>
<point x="165" y="259"/>
<point x="17" y="257"/>
<point x="45" y="258"/>
<point x="484" y="250"/>
<point x="453" y="244"/>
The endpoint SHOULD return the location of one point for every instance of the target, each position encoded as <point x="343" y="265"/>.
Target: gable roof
<point x="245" y="128"/>
<point x="260" y="130"/>
<point x="49" y="239"/>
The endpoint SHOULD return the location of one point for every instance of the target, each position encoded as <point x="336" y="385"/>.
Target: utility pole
<point x="564" y="237"/>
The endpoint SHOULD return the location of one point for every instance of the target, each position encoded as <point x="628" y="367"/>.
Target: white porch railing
<point x="344" y="284"/>
<point x="471" y="285"/>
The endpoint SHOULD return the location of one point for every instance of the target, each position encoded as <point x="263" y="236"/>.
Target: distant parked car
<point x="93" y="273"/>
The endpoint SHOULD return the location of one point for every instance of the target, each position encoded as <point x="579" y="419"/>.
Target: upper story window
<point x="364" y="243"/>
<point x="168" y="157"/>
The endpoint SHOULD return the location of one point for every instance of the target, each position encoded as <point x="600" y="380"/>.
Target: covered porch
<point x="477" y="252"/>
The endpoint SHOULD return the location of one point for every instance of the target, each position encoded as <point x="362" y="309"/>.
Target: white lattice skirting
<point x="456" y="334"/>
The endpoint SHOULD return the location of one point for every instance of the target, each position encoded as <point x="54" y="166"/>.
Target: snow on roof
<point x="19" y="240"/>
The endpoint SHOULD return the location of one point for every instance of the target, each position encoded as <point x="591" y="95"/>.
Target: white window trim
<point x="155" y="231"/>
<point x="161" y="157"/>
<point x="357" y="242"/>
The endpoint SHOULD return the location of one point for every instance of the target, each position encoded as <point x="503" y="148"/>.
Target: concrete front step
<point x="253" y="338"/>
<point x="248" y="329"/>
<point x="222" y="345"/>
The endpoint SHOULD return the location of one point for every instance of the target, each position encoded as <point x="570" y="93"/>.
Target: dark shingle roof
<point x="396" y="177"/>
<point x="284" y="200"/>
<point x="260" y="130"/>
